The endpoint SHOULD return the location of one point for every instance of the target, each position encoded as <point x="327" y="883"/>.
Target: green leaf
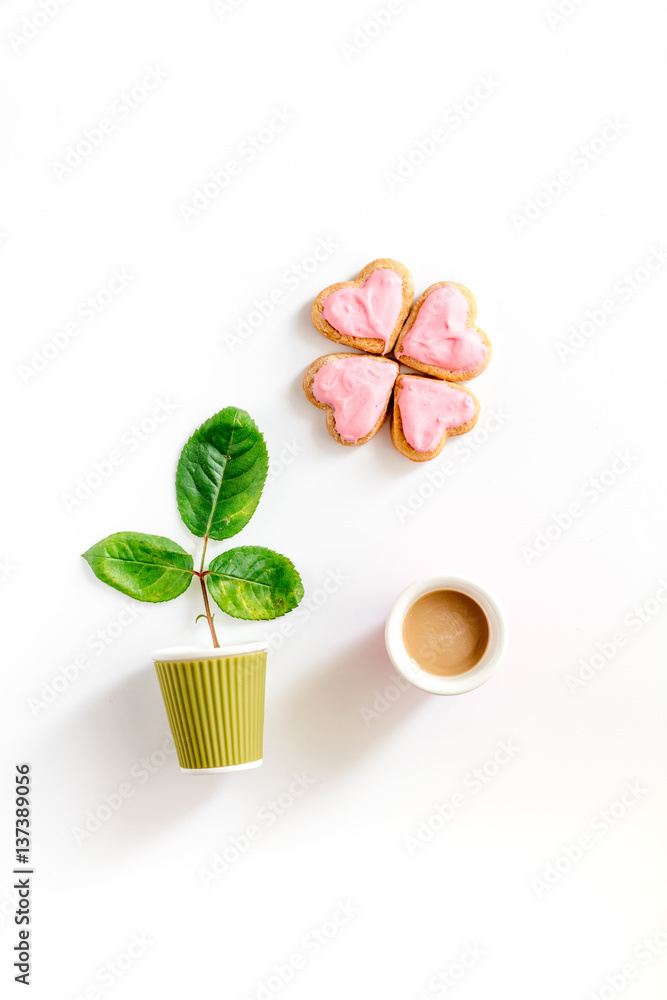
<point x="220" y="474"/>
<point x="146" y="567"/>
<point x="254" y="583"/>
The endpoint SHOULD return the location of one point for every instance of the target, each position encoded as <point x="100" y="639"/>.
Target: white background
<point x="379" y="767"/>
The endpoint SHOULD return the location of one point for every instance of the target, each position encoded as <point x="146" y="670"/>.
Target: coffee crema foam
<point x="445" y="633"/>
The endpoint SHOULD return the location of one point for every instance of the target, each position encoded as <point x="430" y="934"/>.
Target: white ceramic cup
<point x="460" y="683"/>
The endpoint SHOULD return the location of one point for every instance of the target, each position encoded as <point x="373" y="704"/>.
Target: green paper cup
<point x="215" y="705"/>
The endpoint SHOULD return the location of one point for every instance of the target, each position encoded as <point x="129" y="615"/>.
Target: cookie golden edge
<point x="371" y="345"/>
<point x="398" y="437"/>
<point x="434" y="370"/>
<point x="308" y="379"/>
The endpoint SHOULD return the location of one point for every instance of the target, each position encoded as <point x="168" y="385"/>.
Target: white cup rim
<point x="176" y="654"/>
<point x="460" y="683"/>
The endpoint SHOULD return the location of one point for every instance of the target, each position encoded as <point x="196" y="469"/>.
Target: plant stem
<point x="209" y="617"/>
<point x="203" y="555"/>
<point x="207" y="606"/>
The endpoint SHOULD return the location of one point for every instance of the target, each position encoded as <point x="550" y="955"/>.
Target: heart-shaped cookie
<point x="426" y="412"/>
<point x="355" y="391"/>
<point x="366" y="313"/>
<point x="440" y="336"/>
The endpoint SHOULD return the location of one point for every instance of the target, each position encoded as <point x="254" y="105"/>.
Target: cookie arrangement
<point x="435" y="336"/>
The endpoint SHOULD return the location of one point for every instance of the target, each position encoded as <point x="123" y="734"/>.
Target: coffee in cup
<point x="445" y="632"/>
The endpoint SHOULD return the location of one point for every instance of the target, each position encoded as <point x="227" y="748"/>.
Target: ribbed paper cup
<point x="215" y="705"/>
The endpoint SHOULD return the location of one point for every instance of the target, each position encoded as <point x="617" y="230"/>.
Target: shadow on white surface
<point x="349" y="707"/>
<point x="126" y="740"/>
<point x="311" y="335"/>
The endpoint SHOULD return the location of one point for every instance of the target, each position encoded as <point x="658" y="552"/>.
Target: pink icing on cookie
<point x="371" y="310"/>
<point x="357" y="389"/>
<point x="439" y="335"/>
<point x="429" y="408"/>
